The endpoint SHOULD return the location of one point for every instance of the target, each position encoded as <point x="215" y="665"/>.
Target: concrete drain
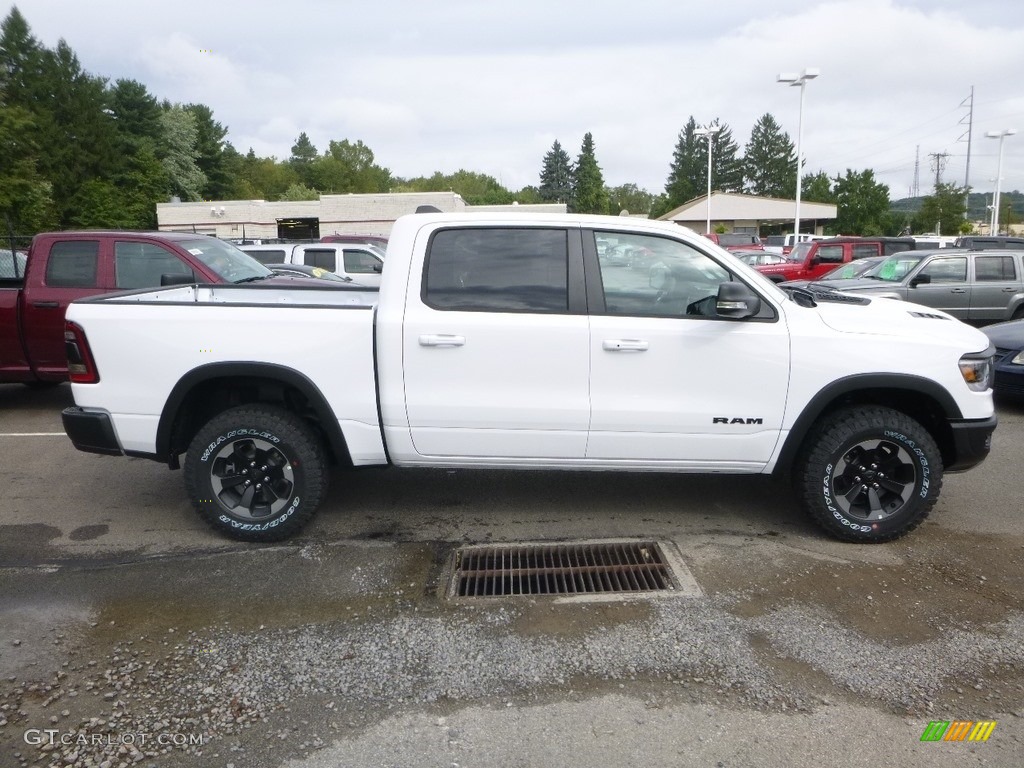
<point x="590" y="569"/>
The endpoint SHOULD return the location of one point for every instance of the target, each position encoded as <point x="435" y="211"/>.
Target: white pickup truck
<point x="512" y="340"/>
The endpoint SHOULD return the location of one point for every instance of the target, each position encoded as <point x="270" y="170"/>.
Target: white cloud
<point x="488" y="87"/>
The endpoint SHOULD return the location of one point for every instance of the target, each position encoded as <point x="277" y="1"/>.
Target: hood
<point x="894" y="318"/>
<point x="1006" y="335"/>
<point x="857" y="284"/>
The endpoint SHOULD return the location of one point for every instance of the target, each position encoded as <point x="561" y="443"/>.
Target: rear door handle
<point x="625" y="345"/>
<point x="46" y="304"/>
<point x="441" y="340"/>
<point x="958" y="290"/>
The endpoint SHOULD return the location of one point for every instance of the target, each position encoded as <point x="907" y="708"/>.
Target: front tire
<point x="256" y="473"/>
<point x="869" y="474"/>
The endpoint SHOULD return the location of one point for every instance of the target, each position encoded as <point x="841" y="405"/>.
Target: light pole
<point x="798" y="80"/>
<point x="710" y="132"/>
<point x="999" y="174"/>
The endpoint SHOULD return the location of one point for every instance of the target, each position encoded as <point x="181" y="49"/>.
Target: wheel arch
<point x="211" y="389"/>
<point x="922" y="399"/>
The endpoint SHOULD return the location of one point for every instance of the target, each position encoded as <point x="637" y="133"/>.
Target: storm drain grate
<point x="561" y="569"/>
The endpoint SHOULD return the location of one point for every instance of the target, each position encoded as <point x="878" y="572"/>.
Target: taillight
<point x="81" y="367"/>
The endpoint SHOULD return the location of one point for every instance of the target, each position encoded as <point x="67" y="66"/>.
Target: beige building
<point x="748" y="214"/>
<point x="371" y="214"/>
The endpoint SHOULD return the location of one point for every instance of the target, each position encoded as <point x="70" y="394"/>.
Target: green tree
<point x="686" y="174"/>
<point x="726" y="164"/>
<point x="300" y="192"/>
<point x="943" y="211"/>
<point x="817" y="188"/>
<point x="588" y="192"/>
<point x="862" y="204"/>
<point x="179" y="154"/>
<point x="629" y="197"/>
<point x="26" y="198"/>
<point x="769" y="161"/>
<point x="263" y="177"/>
<point x="210" y="138"/>
<point x="556" y="176"/>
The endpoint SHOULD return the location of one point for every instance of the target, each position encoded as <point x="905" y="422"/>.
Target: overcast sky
<point x="488" y="86"/>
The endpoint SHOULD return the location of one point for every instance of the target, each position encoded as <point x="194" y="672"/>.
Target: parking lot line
<point x="33" y="434"/>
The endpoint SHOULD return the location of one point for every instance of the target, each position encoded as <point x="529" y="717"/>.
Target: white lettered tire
<point x="869" y="474"/>
<point x="256" y="473"/>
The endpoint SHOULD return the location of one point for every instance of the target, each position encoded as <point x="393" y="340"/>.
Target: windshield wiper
<point x="253" y="279"/>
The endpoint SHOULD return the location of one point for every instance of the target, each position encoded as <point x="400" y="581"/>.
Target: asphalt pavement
<point x="130" y="634"/>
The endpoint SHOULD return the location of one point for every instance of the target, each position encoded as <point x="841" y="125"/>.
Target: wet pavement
<point x="132" y="635"/>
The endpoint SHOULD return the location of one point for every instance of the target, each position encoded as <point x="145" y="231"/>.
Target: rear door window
<point x="864" y="250"/>
<point x="73" y="264"/>
<point x="994" y="268"/>
<point x="498" y="270"/>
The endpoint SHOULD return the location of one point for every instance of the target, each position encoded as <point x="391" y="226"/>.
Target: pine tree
<point x="589" y="194"/>
<point x="686" y="173"/>
<point x="556" y="176"/>
<point x="770" y="161"/>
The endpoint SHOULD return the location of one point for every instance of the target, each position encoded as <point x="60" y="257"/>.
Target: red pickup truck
<point x="808" y="261"/>
<point x="35" y="289"/>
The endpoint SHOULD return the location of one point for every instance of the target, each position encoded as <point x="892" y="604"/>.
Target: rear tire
<point x="256" y="473"/>
<point x="869" y="474"/>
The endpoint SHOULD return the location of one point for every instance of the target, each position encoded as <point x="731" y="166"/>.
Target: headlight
<point x="1019" y="359"/>
<point x="977" y="372"/>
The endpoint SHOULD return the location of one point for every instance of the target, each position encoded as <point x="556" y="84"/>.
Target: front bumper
<point x="972" y="441"/>
<point x="91" y="431"/>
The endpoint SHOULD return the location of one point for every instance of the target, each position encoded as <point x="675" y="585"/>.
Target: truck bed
<point x="231" y="324"/>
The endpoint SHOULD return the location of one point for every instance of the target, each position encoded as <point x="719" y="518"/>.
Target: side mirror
<point x="736" y="301"/>
<point x="815" y="261"/>
<point x="177" y="278"/>
<point x="920" y="280"/>
<point x="378" y="267"/>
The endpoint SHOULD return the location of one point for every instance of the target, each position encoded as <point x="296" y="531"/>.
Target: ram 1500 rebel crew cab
<point x="63" y="266"/>
<point x="509" y="340"/>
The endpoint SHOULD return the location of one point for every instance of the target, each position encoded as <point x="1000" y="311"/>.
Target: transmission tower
<point x="915" y="190"/>
<point x="968" y="104"/>
<point x="938" y="165"/>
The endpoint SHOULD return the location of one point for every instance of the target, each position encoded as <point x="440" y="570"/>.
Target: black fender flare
<point x="270" y="371"/>
<point x="909" y="383"/>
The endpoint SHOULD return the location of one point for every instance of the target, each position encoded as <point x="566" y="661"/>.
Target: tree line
<point x="78" y="151"/>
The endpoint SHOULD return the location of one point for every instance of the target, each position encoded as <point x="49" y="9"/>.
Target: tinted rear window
<point x="73" y="264"/>
<point x="498" y="270"/>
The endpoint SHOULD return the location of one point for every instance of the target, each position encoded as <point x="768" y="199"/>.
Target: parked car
<point x="990" y="241"/>
<point x="503" y="341"/>
<point x="835" y="278"/>
<point x="754" y="258"/>
<point x="62" y="266"/>
<point x="1008" y="339"/>
<point x="978" y="286"/>
<point x="732" y="241"/>
<point x="361" y="264"/>
<point x="811" y="260"/>
<point x="376" y="240"/>
<point x="784" y="243"/>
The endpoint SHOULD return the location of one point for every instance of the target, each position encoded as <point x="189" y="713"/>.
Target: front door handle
<point x="441" y="340"/>
<point x="958" y="290"/>
<point x="46" y="304"/>
<point x="625" y="345"/>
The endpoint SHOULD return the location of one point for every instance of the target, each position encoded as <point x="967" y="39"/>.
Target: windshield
<point x="230" y="264"/>
<point x="799" y="252"/>
<point x="894" y="268"/>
